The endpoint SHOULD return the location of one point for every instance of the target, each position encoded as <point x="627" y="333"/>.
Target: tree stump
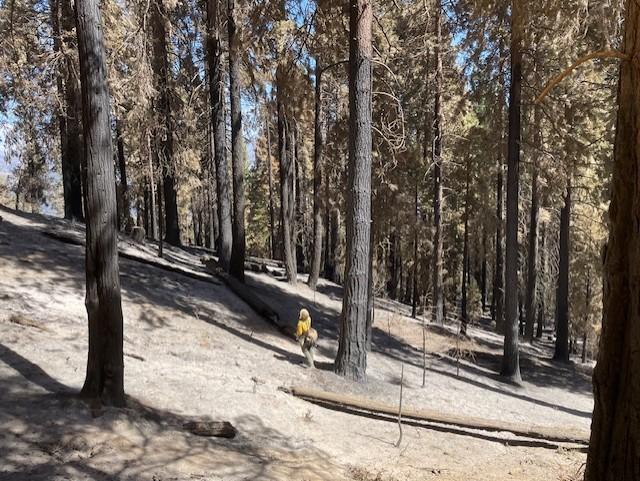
<point x="218" y="429"/>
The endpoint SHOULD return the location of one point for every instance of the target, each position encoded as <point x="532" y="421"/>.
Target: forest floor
<point x="193" y="350"/>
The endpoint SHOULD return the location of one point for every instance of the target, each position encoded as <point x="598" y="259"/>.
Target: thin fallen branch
<point x="25" y="321"/>
<point x="585" y="58"/>
<point x="134" y="356"/>
<point x="357" y="403"/>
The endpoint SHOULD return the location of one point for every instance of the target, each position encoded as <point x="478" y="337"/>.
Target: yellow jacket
<point x="304" y="323"/>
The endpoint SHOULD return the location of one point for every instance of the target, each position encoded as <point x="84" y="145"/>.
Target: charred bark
<point x="351" y="360"/>
<point x="272" y="221"/>
<point x="532" y="263"/>
<point x="216" y="102"/>
<point x="543" y="270"/>
<point x="237" y="162"/>
<point x="72" y="143"/>
<point x="614" y="448"/>
<point x="562" y="299"/>
<point x="164" y="132"/>
<point x="483" y="270"/>
<point x="436" y="159"/>
<point x="511" y="357"/>
<point x="152" y="185"/>
<point x="320" y="137"/>
<point x="287" y="195"/>
<point x="105" y="366"/>
<point x="395" y="264"/>
<point x="498" y="279"/>
<point x="465" y="261"/>
<point x="124" y="186"/>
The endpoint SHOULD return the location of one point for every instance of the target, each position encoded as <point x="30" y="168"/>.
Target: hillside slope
<point x="194" y="350"/>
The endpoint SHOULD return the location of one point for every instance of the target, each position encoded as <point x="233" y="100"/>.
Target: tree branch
<point x="559" y="78"/>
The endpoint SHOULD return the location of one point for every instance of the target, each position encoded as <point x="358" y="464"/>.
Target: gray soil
<point x="195" y="351"/>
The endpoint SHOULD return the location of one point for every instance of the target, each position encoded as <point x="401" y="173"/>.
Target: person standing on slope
<point x="306" y="336"/>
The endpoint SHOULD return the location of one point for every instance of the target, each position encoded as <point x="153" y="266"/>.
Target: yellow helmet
<point x="304" y="314"/>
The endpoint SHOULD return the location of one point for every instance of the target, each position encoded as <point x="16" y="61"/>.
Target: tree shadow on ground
<point x="141" y="284"/>
<point x="500" y="388"/>
<point x="49" y="433"/>
<point x="535" y="362"/>
<point x="396" y="348"/>
<point x="540" y="373"/>
<point x="326" y="318"/>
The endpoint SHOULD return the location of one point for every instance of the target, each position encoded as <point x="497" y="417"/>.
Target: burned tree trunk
<point x="614" y="449"/>
<point x="532" y="264"/>
<point x="152" y="185"/>
<point x="145" y="208"/>
<point x="237" y="162"/>
<point x="511" y="357"/>
<point x="212" y="198"/>
<point x="562" y="309"/>
<point x="334" y="245"/>
<point x="286" y="150"/>
<point x="65" y="161"/>
<point x="370" y="291"/>
<point x="164" y="133"/>
<point x="216" y="100"/>
<point x="436" y="159"/>
<point x="483" y="270"/>
<point x="105" y="366"/>
<point x="320" y="135"/>
<point x="296" y="223"/>
<point x="395" y="264"/>
<point x="272" y="221"/>
<point x="498" y="279"/>
<point x="587" y="310"/>
<point x="124" y="186"/>
<point x="71" y="144"/>
<point x="543" y="270"/>
<point x="465" y="261"/>
<point x="351" y="360"/>
<point x="287" y="195"/>
<point x="302" y="248"/>
<point x="498" y="275"/>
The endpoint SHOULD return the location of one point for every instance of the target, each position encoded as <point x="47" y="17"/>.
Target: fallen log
<point x="266" y="262"/>
<point x="251" y="263"/>
<point x="255" y="266"/>
<point x="368" y="405"/>
<point x="78" y="239"/>
<point x="218" y="429"/>
<point x="245" y="293"/>
<point x="67" y="237"/>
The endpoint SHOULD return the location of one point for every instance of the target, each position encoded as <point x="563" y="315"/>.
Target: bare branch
<point x="559" y="78"/>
